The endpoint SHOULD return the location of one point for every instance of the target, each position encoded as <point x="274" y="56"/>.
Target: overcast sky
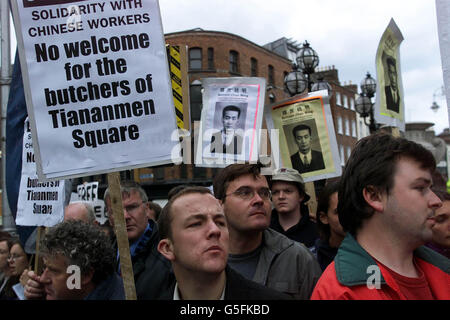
<point x="344" y="33"/>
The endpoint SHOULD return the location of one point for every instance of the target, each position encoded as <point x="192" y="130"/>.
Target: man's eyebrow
<point x="200" y="216"/>
<point x="423" y="180"/>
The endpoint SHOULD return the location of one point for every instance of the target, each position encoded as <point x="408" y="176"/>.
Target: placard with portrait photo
<point x="231" y="121"/>
<point x="307" y="141"/>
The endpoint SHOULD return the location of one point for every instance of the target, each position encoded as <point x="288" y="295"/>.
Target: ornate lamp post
<point x="364" y="105"/>
<point x="321" y="84"/>
<point x="295" y="81"/>
<point x="438" y="92"/>
<point x="307" y="60"/>
<point x="299" y="79"/>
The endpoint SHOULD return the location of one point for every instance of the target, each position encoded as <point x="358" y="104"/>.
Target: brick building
<point x="221" y="54"/>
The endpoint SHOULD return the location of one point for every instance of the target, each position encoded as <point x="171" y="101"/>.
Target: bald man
<point x="80" y="211"/>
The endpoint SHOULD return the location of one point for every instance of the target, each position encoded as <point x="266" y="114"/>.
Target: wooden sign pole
<point x="395" y="132"/>
<point x="126" y="266"/>
<point x="312" y="203"/>
<point x="37" y="263"/>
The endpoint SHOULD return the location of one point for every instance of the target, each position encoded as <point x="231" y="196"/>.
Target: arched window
<point x="195" y="58"/>
<point x="234" y="61"/>
<point x="271" y="77"/>
<point x="211" y="58"/>
<point x="254" y="67"/>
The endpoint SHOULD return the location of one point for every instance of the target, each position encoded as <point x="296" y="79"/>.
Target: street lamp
<point x="364" y="105"/>
<point x="307" y="60"/>
<point x="322" y="85"/>
<point x="299" y="79"/>
<point x="295" y="81"/>
<point x="438" y="92"/>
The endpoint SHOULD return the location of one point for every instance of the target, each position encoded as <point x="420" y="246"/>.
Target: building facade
<point x="221" y="54"/>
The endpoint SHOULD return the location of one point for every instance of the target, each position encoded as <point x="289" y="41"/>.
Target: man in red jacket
<point x="387" y="208"/>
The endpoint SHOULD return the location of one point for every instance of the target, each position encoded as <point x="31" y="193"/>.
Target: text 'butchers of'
<point x="92" y="91"/>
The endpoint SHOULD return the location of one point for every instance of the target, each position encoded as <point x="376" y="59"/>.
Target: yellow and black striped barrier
<point x="177" y="84"/>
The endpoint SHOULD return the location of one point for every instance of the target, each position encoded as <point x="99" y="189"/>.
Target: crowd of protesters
<point x="382" y="231"/>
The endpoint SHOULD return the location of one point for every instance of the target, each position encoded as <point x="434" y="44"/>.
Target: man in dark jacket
<point x="152" y="272"/>
<point x="194" y="237"/>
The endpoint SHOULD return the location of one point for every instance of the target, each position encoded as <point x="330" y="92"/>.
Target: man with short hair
<point x="154" y="210"/>
<point x="194" y="237"/>
<point x="290" y="215"/>
<point x="386" y="206"/>
<point x="152" y="272"/>
<point x="80" y="210"/>
<point x="306" y="159"/>
<point x="79" y="265"/>
<point x="256" y="251"/>
<point x="228" y="140"/>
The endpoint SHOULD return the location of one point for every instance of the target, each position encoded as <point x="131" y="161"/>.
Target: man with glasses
<point x="256" y="251"/>
<point x="152" y="271"/>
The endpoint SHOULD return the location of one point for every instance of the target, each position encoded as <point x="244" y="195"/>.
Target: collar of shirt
<point x="176" y="293"/>
<point x="142" y="239"/>
<point x="308" y="156"/>
<point x="227" y="136"/>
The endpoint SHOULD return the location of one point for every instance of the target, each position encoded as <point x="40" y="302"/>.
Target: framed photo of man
<point x="307" y="141"/>
<point x="304" y="146"/>
<point x="231" y="121"/>
<point x="389" y="103"/>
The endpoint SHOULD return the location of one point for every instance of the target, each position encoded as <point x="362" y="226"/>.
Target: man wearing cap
<point x="290" y="215"/>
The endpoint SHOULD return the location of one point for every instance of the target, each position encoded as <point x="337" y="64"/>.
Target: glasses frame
<point x="254" y="192"/>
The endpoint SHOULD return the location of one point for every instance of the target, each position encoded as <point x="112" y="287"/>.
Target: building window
<point x="234" y="61"/>
<point x="211" y="58"/>
<point x="195" y="58"/>
<point x="196" y="99"/>
<point x="354" y="128"/>
<point x="345" y="101"/>
<point x="347" y="127"/>
<point x="352" y="104"/>
<point x="339" y="125"/>
<point x="254" y="67"/>
<point x="338" y="99"/>
<point x="342" y="155"/>
<point x="271" y="76"/>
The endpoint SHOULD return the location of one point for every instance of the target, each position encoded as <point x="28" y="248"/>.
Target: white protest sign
<point x="39" y="203"/>
<point x="97" y="85"/>
<point x="88" y="192"/>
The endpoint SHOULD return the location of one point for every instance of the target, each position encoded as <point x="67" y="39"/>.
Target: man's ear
<point x="87" y="277"/>
<point x="301" y="197"/>
<point x="323" y="217"/>
<point x="373" y="198"/>
<point x="165" y="247"/>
